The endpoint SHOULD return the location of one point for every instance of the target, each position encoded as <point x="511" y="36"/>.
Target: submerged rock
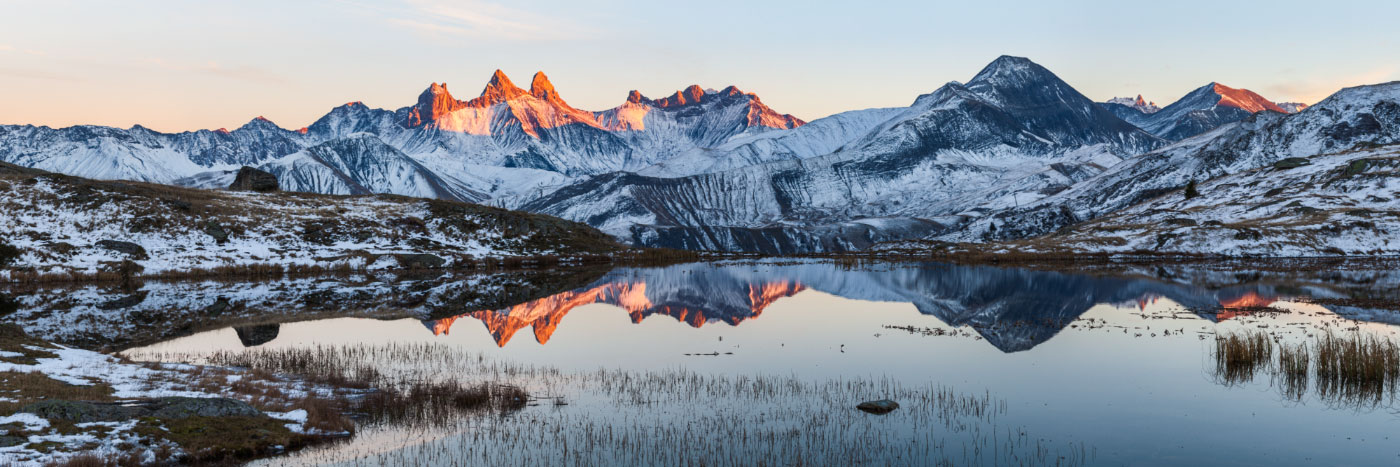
<point x="251" y="179"/>
<point x="882" y="406"/>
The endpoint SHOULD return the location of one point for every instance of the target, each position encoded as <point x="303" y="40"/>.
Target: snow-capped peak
<point x="1243" y="99"/>
<point x="1138" y="103"/>
<point x="260" y="123"/>
<point x="1292" y="107"/>
<point x="1008" y="70"/>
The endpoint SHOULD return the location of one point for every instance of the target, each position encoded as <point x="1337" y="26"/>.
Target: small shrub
<point x="8" y="254"/>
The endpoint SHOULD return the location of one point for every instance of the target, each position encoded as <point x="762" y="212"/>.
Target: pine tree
<point x="1191" y="190"/>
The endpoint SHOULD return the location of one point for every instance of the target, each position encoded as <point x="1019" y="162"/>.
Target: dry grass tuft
<point x="1238" y="357"/>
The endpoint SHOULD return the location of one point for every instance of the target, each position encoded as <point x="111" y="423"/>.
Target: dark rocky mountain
<point x="1014" y="133"/>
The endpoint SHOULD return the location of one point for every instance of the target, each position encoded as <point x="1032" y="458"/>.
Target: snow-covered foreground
<point x="67" y="225"/>
<point x="31" y="439"/>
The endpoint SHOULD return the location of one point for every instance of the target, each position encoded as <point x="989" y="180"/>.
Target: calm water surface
<point x="1099" y="369"/>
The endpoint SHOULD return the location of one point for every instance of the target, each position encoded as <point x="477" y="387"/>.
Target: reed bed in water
<point x="1353" y="369"/>
<point x="662" y="417"/>
<point x="1239" y="356"/>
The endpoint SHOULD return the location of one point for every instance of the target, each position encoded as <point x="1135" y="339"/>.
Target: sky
<point x="186" y="65"/>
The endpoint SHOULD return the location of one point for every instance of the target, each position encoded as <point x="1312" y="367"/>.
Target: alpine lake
<point x="1285" y="362"/>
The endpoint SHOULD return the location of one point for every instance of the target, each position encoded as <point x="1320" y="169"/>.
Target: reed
<point x="1240" y="356"/>
<point x="1357" y="368"/>
<point x="1353" y="369"/>
<point x="1291" y="376"/>
<point x="658" y="417"/>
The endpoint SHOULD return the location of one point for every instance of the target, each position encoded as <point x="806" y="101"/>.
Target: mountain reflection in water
<point x="1013" y="309"/>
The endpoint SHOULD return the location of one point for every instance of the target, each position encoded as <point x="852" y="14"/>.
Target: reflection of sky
<point x="1131" y="397"/>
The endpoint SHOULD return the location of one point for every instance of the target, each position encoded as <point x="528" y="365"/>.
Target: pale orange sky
<point x="174" y="65"/>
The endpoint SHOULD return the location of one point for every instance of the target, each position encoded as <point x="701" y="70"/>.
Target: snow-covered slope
<point x="362" y="164"/>
<point x="1357" y="117"/>
<point x="1203" y="109"/>
<point x="817" y="138"/>
<point x="68" y="225"/>
<point x="1332" y="204"/>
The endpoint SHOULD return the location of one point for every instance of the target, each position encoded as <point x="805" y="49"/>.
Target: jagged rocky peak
<point x="1138" y="103"/>
<point x="1242" y="99"/>
<point x="1292" y="107"/>
<point x="635" y="97"/>
<point x="434" y="102"/>
<point x="541" y="87"/>
<point x="690" y="95"/>
<point x="499" y="89"/>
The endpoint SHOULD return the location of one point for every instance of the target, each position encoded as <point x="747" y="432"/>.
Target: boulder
<point x="165" y="407"/>
<point x="213" y="229"/>
<point x="132" y="250"/>
<point x="80" y="411"/>
<point x="882" y="406"/>
<point x="185" y="407"/>
<point x="251" y="179"/>
<point x="420" y="261"/>
<point x="219" y="306"/>
<point x="1291" y="163"/>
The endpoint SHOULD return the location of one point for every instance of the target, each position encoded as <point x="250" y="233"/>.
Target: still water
<point x="763" y="362"/>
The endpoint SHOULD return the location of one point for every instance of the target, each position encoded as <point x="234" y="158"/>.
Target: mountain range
<point x="1014" y="152"/>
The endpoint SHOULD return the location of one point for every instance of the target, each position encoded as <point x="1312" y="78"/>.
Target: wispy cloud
<point x="477" y="19"/>
<point x="237" y="72"/>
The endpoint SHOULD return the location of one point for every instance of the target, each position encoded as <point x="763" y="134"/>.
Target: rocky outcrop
<point x="251" y="179"/>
